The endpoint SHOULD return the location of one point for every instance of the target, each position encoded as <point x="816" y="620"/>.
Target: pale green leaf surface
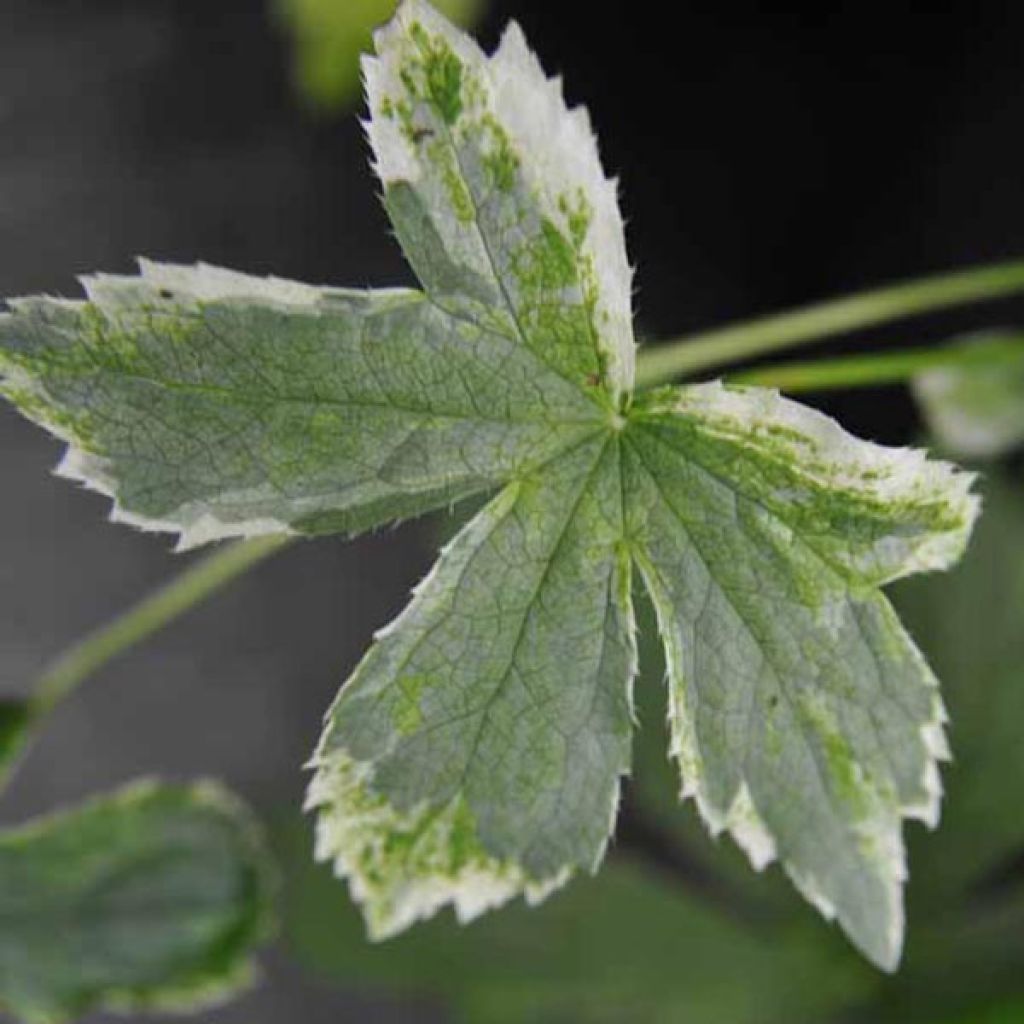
<point x="216" y="404"/>
<point x="153" y="897"/>
<point x="975" y="407"/>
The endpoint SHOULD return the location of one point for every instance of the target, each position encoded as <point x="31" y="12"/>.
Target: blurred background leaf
<point x="1005" y="1013"/>
<point x="149" y="898"/>
<point x="975" y="408"/>
<point x="328" y="37"/>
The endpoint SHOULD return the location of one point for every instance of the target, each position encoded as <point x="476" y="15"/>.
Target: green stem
<point x="844" y="372"/>
<point x="876" y="368"/>
<point x="735" y="342"/>
<point x="154" y="612"/>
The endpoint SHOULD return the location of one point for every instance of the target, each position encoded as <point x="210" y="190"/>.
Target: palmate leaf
<point x="476" y="752"/>
<point x="152" y="897"/>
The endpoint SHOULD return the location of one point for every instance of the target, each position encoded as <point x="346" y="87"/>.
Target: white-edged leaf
<point x="152" y="897"/>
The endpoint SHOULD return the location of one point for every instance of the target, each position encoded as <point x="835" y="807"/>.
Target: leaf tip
<point x="403" y="866"/>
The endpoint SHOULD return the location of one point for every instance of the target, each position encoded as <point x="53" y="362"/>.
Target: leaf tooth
<point x="750" y="832"/>
<point x="933" y="736"/>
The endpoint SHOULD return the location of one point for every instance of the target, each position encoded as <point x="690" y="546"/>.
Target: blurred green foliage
<point x="151" y="897"/>
<point x="626" y="945"/>
<point x="974" y="405"/>
<point x="640" y="943"/>
<point x="15" y="719"/>
<point x="329" y="36"/>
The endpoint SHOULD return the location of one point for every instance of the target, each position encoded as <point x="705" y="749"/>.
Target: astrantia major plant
<point x="476" y="752"/>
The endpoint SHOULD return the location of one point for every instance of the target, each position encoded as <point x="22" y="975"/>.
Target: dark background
<point x="765" y="160"/>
